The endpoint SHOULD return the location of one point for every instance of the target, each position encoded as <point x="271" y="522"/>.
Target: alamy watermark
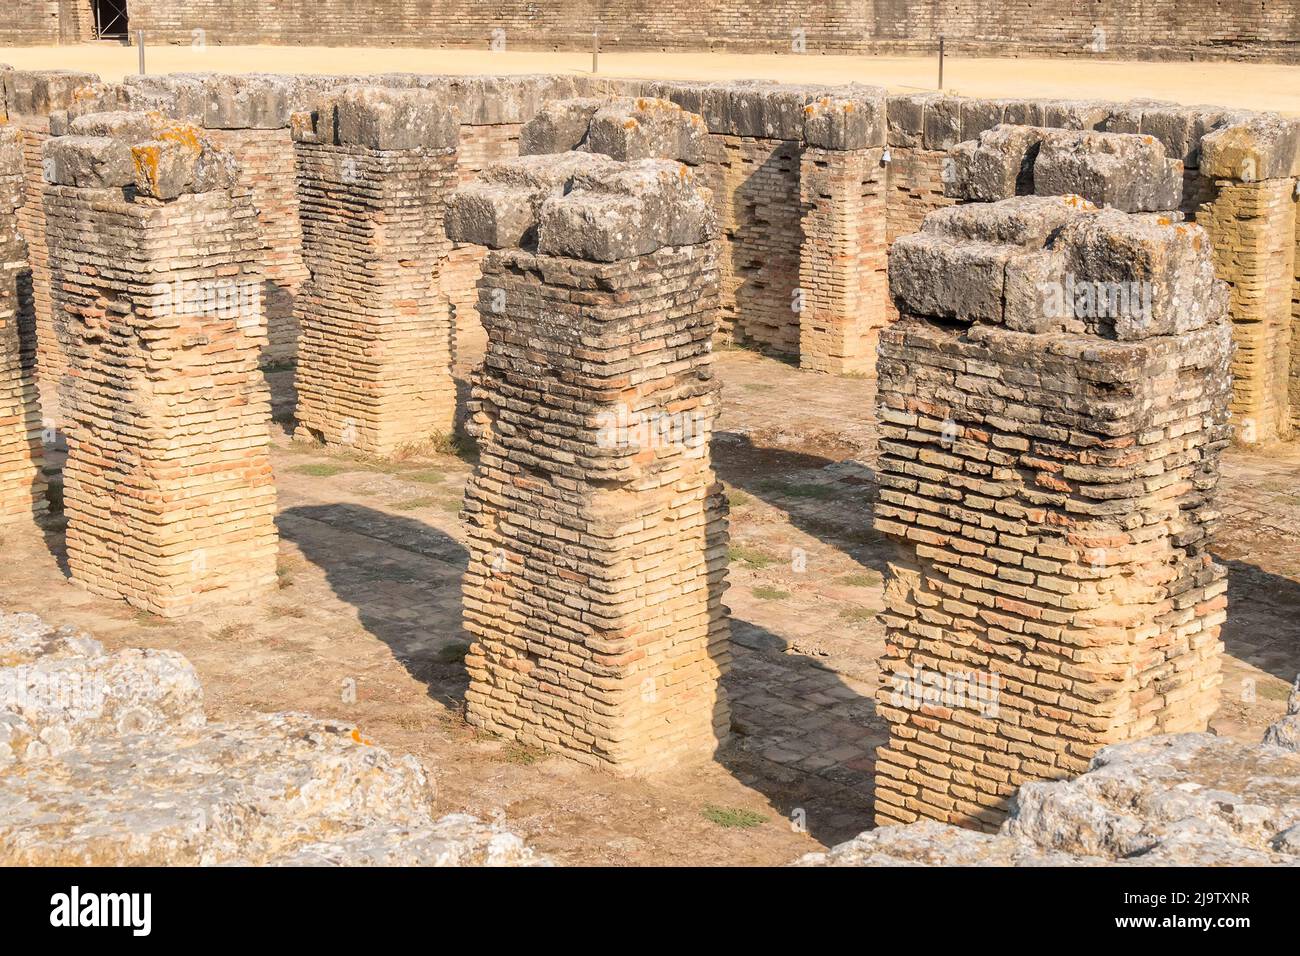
<point x="964" y="690"/>
<point x="1075" y="298"/>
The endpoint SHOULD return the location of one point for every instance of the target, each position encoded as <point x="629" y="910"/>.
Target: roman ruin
<point x="1054" y="594"/>
<point x="374" y="354"/>
<point x="597" y="553"/>
<point x="22" y="479"/>
<point x="552" y="327"/>
<point x="155" y="268"/>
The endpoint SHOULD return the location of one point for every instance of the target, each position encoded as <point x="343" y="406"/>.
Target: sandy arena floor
<point x="371" y="556"/>
<point x="1246" y="85"/>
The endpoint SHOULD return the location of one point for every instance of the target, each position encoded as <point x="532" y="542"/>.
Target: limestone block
<point x="1264" y="147"/>
<point x="859" y="121"/>
<point x="1119" y="170"/>
<point x="89" y="162"/>
<point x="558" y="127"/>
<point x="997" y="165"/>
<point x="642" y="128"/>
<point x="378" y="118"/>
<point x="631" y="211"/>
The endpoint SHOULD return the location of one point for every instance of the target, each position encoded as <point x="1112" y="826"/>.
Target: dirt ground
<point x="1245" y="85"/>
<point x="365" y="628"/>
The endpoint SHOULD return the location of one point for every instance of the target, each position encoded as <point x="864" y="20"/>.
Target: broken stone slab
<point x="1077" y="114"/>
<point x="1155" y="273"/>
<point x="131" y="126"/>
<point x="501" y="208"/>
<point x="56" y="703"/>
<point x="997" y="165"/>
<point x="40" y="92"/>
<point x="457" y="839"/>
<point x="646" y="128"/>
<point x="90" y="162"/>
<point x="25" y="637"/>
<point x="857" y="121"/>
<point x="631" y="211"/>
<point x="248" y="790"/>
<point x="1265" y="147"/>
<point x="1041" y="264"/>
<point x="1191" y="790"/>
<point x="558" y="127"/>
<point x="1285" y="733"/>
<point x="1173" y="800"/>
<point x="943" y="122"/>
<point x="930" y="843"/>
<point x="379" y="118"/>
<point x="1129" y="172"/>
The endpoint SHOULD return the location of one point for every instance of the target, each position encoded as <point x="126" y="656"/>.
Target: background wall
<point x="1262" y="29"/>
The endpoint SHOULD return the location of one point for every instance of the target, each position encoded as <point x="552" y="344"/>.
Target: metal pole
<point x="595" y="50"/>
<point x="941" y="62"/>
<point x="139" y="42"/>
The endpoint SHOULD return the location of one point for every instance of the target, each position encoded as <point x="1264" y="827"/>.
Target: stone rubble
<point x="1177" y="800"/>
<point x="110" y="762"/>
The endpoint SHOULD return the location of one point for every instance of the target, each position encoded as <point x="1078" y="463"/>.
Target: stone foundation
<point x="155" y="257"/>
<point x="374" y="357"/>
<point x="1049" y="478"/>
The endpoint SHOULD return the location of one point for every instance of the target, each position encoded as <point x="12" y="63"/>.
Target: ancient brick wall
<point x="1133" y="28"/>
<point x="31" y="97"/>
<point x="22" y="483"/>
<point x="479" y="145"/>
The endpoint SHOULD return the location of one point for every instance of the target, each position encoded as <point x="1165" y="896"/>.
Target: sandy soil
<point x="366" y="628"/>
<point x="1245" y="85"/>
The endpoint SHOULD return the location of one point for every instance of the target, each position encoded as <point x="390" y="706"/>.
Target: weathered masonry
<point x="597" y="528"/>
<point x="156" y="273"/>
<point x="22" y="482"/>
<point x="375" y="167"/>
<point x="1053" y="404"/>
<point x="811" y="186"/>
<point x="1198" y="29"/>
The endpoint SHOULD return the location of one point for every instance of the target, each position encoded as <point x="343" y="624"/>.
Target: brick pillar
<point x="32" y="95"/>
<point x="597" y="529"/>
<point x="1048" y="475"/>
<point x="1251" y="220"/>
<point x="374" y="354"/>
<point x="843" y="295"/>
<point x="842" y="264"/>
<point x="169" y="494"/>
<point x="22" y="483"/>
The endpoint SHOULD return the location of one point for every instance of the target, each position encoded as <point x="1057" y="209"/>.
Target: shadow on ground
<point x="403" y="578"/>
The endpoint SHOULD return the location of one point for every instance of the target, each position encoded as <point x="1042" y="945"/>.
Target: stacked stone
<point x="843" y="284"/>
<point x="155" y="260"/>
<point x="597" y="529"/>
<point x="22" y="481"/>
<point x="31" y="97"/>
<point x="375" y="348"/>
<point x="1251" y="219"/>
<point x="1126" y="171"/>
<point x="1053" y="404"/>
